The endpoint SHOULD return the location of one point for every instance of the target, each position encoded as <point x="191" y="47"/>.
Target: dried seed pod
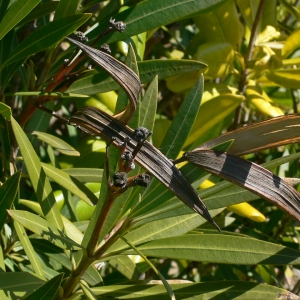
<point x="120" y="179"/>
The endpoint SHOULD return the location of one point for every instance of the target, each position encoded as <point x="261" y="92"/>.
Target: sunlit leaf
<point x="43" y="228"/>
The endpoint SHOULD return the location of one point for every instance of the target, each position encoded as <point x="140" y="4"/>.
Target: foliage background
<point x="251" y="48"/>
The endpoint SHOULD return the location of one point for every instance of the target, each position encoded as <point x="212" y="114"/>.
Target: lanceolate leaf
<point x="217" y="290"/>
<point x="222" y="248"/>
<point x="43" y="228"/>
<point x="129" y="81"/>
<point x="57" y="143"/>
<point x="46" y="36"/>
<point x="152" y="14"/>
<point x="259" y="136"/>
<point x="15" y="14"/>
<point x="104" y="125"/>
<point x="49" y="289"/>
<point x="250" y="176"/>
<point x="8" y="192"/>
<point x="99" y="82"/>
<point x="40" y="183"/>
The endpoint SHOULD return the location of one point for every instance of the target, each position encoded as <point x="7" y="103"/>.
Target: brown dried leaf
<point x="97" y="122"/>
<point x="128" y="80"/>
<point x="262" y="135"/>
<point x="250" y="176"/>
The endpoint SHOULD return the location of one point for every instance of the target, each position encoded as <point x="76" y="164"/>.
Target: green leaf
<point x="43" y="229"/>
<point x="47" y="290"/>
<point x="71" y="184"/>
<point x="218" y="25"/>
<point x="57" y="143"/>
<point x="38" y="177"/>
<point x="98" y="83"/>
<point x="46" y="36"/>
<point x="152" y="14"/>
<point x="288" y="78"/>
<point x="48" y="94"/>
<point x="175" y="137"/>
<point x="221" y="106"/>
<point x="216" y="290"/>
<point x="149" y="104"/>
<point x="87" y="291"/>
<point x="5" y="111"/>
<point x="86" y="174"/>
<point x="42" y="9"/>
<point x="19" y="283"/>
<point x="15" y="14"/>
<point x="30" y="252"/>
<point x="161" y="228"/>
<point x="126" y="266"/>
<point x="8" y="193"/>
<point x="220" y="249"/>
<point x="66" y="8"/>
<point x="183" y="121"/>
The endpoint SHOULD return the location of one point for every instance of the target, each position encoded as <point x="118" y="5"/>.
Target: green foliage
<point x="206" y="68"/>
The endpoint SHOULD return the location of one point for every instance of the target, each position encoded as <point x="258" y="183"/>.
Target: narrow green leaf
<point x="19" y="283"/>
<point x="38" y="177"/>
<point x="100" y="82"/>
<point x="152" y="14"/>
<point x="163" y="227"/>
<point x="86" y="175"/>
<point x="48" y="290"/>
<point x="5" y="111"/>
<point x="30" y="252"/>
<point x="220" y="249"/>
<point x="49" y="94"/>
<point x="42" y="9"/>
<point x="149" y="104"/>
<point x="162" y="278"/>
<point x="87" y="291"/>
<point x="15" y="14"/>
<point x="183" y="121"/>
<point x="8" y="193"/>
<point x="57" y="143"/>
<point x="71" y="184"/>
<point x="288" y="78"/>
<point x="126" y="266"/>
<point x="46" y="36"/>
<point x="216" y="290"/>
<point x="66" y="8"/>
<point x="43" y="228"/>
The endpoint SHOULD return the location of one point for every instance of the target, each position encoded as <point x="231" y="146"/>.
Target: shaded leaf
<point x="259" y="136"/>
<point x="129" y="81"/>
<point x="220" y="248"/>
<point x="250" y="176"/>
<point x="152" y="14"/>
<point x="85" y="174"/>
<point x="148" y="157"/>
<point x="216" y="290"/>
<point x="5" y="111"/>
<point x="19" y="283"/>
<point x="8" y="193"/>
<point x="48" y="290"/>
<point x="45" y="37"/>
<point x="43" y="228"/>
<point x="15" y="14"/>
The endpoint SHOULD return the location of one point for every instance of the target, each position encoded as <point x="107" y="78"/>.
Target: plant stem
<point x="247" y="58"/>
